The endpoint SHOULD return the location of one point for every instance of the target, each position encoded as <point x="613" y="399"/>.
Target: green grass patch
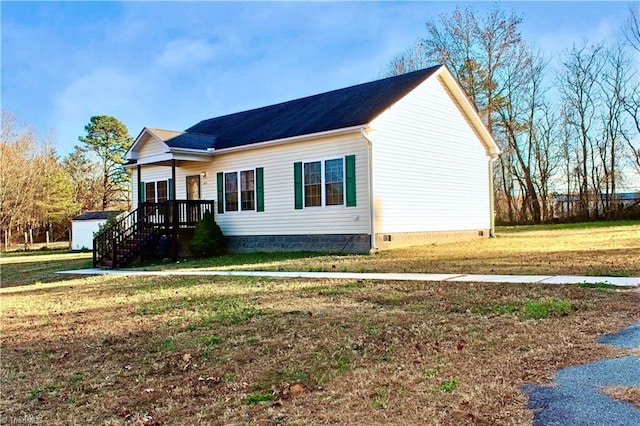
<point x="431" y="373"/>
<point x="601" y="286"/>
<point x="165" y="345"/>
<point x="258" y="397"/>
<point x="447" y="386"/>
<point x="531" y="309"/>
<point x="372" y="331"/>
<point x="547" y="308"/>
<point x="210" y="309"/>
<point x="210" y="340"/>
<point x="380" y="397"/>
<point x="36" y="392"/>
<point x="561" y="226"/>
<point x="75" y="379"/>
<point x="226" y="310"/>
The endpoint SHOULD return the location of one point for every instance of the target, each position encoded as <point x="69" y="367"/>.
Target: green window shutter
<point x="142" y="196"/>
<point x="220" y="180"/>
<point x="350" y="165"/>
<point x="297" y="182"/>
<point x="171" y="194"/>
<point x="260" y="189"/>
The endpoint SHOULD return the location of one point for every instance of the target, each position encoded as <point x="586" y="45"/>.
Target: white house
<point x="400" y="161"/>
<point x="84" y="226"/>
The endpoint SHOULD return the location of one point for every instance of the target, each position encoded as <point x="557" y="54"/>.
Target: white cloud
<point x="186" y="52"/>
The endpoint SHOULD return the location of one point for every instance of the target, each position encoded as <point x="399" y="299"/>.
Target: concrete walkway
<point x="526" y="279"/>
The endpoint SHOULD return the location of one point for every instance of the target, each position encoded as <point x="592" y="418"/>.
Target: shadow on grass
<point x="240" y="260"/>
<point x="40" y="271"/>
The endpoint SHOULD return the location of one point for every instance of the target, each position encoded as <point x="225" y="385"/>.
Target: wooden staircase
<point x="133" y="234"/>
<point x="123" y="241"/>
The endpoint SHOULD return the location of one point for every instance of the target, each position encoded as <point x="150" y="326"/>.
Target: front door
<point x="193" y="193"/>
<point x="193" y="187"/>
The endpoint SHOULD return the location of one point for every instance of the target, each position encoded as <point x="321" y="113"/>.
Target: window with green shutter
<point x="241" y="190"/>
<point x="330" y="182"/>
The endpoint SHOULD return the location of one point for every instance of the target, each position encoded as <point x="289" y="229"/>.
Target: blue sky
<point x="172" y="64"/>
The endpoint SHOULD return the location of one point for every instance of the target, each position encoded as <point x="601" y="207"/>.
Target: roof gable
<point x="338" y="109"/>
<point x="167" y="141"/>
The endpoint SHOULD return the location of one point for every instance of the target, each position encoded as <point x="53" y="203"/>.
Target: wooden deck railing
<point x="116" y="242"/>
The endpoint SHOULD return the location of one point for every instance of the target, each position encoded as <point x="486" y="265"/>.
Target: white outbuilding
<point x="84" y="226"/>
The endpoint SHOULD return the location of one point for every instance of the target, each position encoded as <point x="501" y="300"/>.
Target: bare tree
<point x="547" y="154"/>
<point x="580" y="93"/>
<point x="523" y="103"/>
<point x="18" y="174"/>
<point x="85" y="175"/>
<point x="615" y="82"/>
<point x="476" y="50"/>
<point x="35" y="193"/>
<point x="631" y="28"/>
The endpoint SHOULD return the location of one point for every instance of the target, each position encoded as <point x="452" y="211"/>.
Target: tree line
<point x="569" y="134"/>
<point x="40" y="192"/>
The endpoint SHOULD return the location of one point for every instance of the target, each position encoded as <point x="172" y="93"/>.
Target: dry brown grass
<point x="630" y="394"/>
<point x="204" y="350"/>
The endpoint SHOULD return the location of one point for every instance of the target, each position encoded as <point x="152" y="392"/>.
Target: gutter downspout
<point x="370" y="171"/>
<point x="492" y="213"/>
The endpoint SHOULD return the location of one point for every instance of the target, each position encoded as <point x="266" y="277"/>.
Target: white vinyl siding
<point x="151" y="147"/>
<point x="149" y="174"/>
<point x="280" y="216"/>
<point x="430" y="169"/>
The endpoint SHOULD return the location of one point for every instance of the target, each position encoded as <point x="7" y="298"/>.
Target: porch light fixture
<point x="203" y="175"/>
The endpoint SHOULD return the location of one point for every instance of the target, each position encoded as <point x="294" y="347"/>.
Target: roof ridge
<point x="165" y="130"/>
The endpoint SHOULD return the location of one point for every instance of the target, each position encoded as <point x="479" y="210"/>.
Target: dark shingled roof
<point x="97" y="215"/>
<point x="191" y="141"/>
<point x="338" y="109"/>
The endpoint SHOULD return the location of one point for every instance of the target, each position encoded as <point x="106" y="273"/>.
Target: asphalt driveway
<point x="575" y="398"/>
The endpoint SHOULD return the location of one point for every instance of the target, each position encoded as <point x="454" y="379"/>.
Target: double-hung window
<point x="231" y="192"/>
<point x="155" y="192"/>
<point x="334" y="182"/>
<point x="162" y="191"/>
<point x="313" y="184"/>
<point x="247" y="190"/>
<point x="325" y="182"/>
<point x="241" y="191"/>
<point x="150" y="192"/>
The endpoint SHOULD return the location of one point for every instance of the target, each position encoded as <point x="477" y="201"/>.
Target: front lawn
<point x="572" y="249"/>
<point x="222" y="350"/>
